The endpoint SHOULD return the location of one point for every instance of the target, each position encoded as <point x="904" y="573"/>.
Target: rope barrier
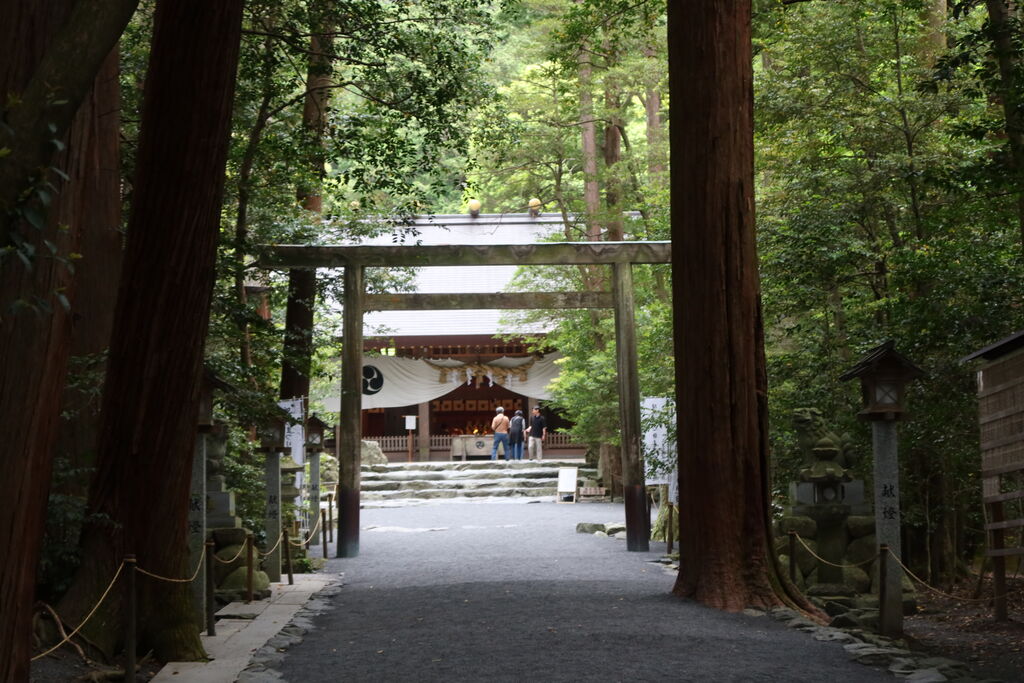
<point x="300" y="544"/>
<point x="279" y="537"/>
<point x="906" y="569"/>
<point x="241" y="550"/>
<point x="921" y="581"/>
<point x="71" y="635"/>
<point x="199" y="566"/>
<point x="832" y="564"/>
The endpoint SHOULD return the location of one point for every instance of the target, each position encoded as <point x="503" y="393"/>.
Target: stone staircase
<point x="415" y="483"/>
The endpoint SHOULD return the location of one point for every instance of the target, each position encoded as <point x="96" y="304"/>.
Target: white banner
<point x="390" y="382"/>
<point x="657" y="446"/>
<point x="294" y="439"/>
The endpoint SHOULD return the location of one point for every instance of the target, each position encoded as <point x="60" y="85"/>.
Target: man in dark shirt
<point x="538" y="430"/>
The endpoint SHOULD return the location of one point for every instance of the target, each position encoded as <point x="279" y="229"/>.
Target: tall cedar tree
<point x="724" y="522"/>
<point x="298" y="328"/>
<point x="150" y="399"/>
<point x="34" y="322"/>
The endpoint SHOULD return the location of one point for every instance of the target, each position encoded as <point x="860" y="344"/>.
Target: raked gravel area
<point x="510" y="592"/>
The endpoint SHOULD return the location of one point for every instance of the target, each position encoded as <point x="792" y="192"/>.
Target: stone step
<point x="473" y="481"/>
<point x="458" y="484"/>
<point x="434" y="494"/>
<point x="471" y="475"/>
<point x="459" y="465"/>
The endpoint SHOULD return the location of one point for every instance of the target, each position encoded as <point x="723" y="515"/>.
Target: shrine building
<point x="451" y="369"/>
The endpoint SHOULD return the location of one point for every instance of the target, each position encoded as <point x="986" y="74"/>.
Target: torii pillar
<point x="349" y="441"/>
<point x="638" y="519"/>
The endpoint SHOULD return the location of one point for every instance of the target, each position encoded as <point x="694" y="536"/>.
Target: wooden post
<point x="249" y="566"/>
<point x="211" y="620"/>
<point x="999" y="563"/>
<point x="669" y="531"/>
<point x="323" y="520"/>
<point x="637" y="528"/>
<point x="286" y="542"/>
<point x="129" y="618"/>
<point x="409" y="444"/>
<point x="349" y="429"/>
<point x="330" y="517"/>
<point x="423" y="411"/>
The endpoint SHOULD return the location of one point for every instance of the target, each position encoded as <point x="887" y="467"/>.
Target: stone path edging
<point x="872" y="649"/>
<point x="250" y="632"/>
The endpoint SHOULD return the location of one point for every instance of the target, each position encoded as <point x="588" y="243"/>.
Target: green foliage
<point x="244" y="474"/>
<point x="65" y="514"/>
<point x="878" y="219"/>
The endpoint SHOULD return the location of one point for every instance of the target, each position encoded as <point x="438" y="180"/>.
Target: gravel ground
<point x="510" y="592"/>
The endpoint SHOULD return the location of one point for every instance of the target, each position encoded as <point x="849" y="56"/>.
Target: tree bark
<point x="1009" y="60"/>
<point x="39" y="108"/>
<point x="298" y="328"/>
<point x="588" y="134"/>
<point x="612" y="156"/>
<point x="96" y="206"/>
<point x="150" y="399"/>
<point x="35" y="325"/>
<point x="934" y="40"/>
<point x="725" y="534"/>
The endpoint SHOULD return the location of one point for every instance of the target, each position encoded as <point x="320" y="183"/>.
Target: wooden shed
<point x="1001" y="418"/>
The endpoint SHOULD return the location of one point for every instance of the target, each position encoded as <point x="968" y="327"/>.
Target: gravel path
<point x="510" y="592"/>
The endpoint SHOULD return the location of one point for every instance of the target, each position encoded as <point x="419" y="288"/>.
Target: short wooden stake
<point x="249" y="567"/>
<point x="130" y="618"/>
<point x="669" y="530"/>
<point x="211" y="620"/>
<point x="288" y="556"/>
<point x="330" y="517"/>
<point x="323" y="534"/>
<point x="1001" y="612"/>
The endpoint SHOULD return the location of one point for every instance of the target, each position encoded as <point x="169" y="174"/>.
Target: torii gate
<point x="355" y="259"/>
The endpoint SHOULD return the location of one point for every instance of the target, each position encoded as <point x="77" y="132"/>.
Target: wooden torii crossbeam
<point x="355" y="259"/>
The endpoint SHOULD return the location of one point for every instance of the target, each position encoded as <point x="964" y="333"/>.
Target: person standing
<point x="516" y="433"/>
<point x="538" y="430"/>
<point x="499" y="425"/>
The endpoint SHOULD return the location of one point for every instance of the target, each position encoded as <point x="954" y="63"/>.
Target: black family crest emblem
<point x="373" y="379"/>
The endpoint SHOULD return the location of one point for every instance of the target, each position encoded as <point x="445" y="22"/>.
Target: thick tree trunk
<point x="98" y="213"/>
<point x="298" y="333"/>
<point x="1009" y="62"/>
<point x="35" y="325"/>
<point x="725" y="535"/>
<point x="588" y="134"/>
<point x="612" y="156"/>
<point x="298" y="328"/>
<point x="150" y="400"/>
<point x="934" y="40"/>
<point x="39" y="107"/>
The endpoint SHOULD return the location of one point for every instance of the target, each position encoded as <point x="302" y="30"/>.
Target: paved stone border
<point x="260" y="668"/>
<point x="867" y="647"/>
<point x="872" y="649"/>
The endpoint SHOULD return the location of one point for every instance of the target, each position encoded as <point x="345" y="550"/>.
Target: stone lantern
<point x="884" y="374"/>
<point x="315" y="430"/>
<point x="272" y="433"/>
